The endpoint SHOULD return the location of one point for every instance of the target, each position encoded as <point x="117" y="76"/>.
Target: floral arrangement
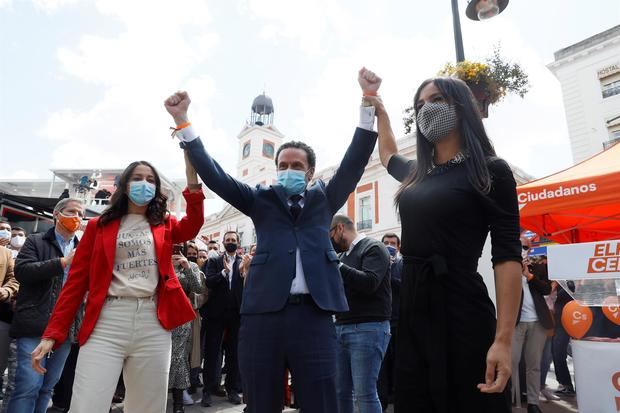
<point x="496" y="76"/>
<point x="490" y="81"/>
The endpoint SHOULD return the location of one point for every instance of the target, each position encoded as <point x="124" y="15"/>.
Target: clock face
<point x="268" y="149"/>
<point x="246" y="150"/>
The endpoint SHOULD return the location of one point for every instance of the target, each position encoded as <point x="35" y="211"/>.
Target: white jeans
<point x="128" y="338"/>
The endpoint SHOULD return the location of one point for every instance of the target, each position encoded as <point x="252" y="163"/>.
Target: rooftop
<point x="599" y="38"/>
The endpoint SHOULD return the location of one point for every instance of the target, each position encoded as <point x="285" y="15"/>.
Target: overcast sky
<point x="82" y="82"/>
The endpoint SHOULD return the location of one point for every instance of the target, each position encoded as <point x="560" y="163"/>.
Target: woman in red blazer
<point x="133" y="298"/>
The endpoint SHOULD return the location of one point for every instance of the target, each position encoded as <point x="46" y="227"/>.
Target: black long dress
<point x="447" y="320"/>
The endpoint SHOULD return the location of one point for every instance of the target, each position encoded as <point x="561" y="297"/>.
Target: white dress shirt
<point x="298" y="286"/>
<point x="357" y="239"/>
<point x="231" y="261"/>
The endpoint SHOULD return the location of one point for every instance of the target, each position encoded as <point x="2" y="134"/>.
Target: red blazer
<point x="91" y="271"/>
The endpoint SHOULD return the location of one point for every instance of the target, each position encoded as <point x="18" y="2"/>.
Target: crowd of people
<point x="141" y="306"/>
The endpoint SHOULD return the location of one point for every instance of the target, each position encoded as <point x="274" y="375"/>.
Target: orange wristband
<point x="369" y="94"/>
<point x="183" y="125"/>
<point x="178" y="128"/>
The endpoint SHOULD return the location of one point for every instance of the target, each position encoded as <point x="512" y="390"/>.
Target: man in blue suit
<point x="294" y="285"/>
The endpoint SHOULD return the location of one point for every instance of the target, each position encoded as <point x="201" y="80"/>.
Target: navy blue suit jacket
<point x="279" y="235"/>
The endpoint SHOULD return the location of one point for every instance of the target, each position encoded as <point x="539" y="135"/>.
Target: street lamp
<point x="476" y="10"/>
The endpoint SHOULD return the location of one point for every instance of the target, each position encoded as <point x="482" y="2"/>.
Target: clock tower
<point x="258" y="142"/>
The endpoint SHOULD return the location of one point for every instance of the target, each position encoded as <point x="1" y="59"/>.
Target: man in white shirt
<point x="221" y="313"/>
<point x="532" y="326"/>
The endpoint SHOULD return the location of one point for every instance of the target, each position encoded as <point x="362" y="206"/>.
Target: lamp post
<point x="458" y="37"/>
<point x="476" y="10"/>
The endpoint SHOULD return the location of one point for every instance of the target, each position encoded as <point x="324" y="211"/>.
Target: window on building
<point x="614" y="137"/>
<point x="613" y="127"/>
<point x="268" y="149"/>
<point x="365" y="213"/>
<point x="611" y="88"/>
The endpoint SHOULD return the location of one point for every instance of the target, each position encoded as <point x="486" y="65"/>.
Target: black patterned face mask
<point x="436" y="120"/>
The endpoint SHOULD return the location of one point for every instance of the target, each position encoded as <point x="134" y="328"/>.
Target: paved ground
<point x="567" y="405"/>
<point x="223" y="407"/>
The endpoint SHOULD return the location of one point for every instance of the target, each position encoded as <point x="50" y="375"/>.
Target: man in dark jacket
<point x="387" y="374"/>
<point x="41" y="268"/>
<point x="363" y="332"/>
<point x="533" y="323"/>
<point x="222" y="313"/>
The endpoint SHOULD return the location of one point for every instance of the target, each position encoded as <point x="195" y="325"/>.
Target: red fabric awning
<point x="578" y="204"/>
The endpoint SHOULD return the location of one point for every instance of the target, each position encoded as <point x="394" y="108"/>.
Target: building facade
<point x="370" y="206"/>
<point x="25" y="202"/>
<point x="589" y="74"/>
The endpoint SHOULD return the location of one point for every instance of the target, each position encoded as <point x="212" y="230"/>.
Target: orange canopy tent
<point x="578" y="204"/>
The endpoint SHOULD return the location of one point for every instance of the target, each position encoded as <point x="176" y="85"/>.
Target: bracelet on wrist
<point x="179" y="127"/>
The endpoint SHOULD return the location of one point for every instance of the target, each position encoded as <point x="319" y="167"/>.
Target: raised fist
<point x="377" y="103"/>
<point x="369" y="81"/>
<point x="177" y="106"/>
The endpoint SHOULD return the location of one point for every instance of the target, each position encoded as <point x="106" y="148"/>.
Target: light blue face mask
<point x="5" y="234"/>
<point x="141" y="192"/>
<point x="294" y="182"/>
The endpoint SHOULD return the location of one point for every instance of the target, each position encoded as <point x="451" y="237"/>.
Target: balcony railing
<point x="610" y="143"/>
<point x="365" y="224"/>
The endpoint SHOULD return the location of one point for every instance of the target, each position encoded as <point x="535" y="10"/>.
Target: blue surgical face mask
<point x="141" y="192"/>
<point x="294" y="182"/>
<point x="5" y="234"/>
<point x="392" y="250"/>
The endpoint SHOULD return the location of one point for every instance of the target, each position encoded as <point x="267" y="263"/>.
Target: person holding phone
<point x="192" y="281"/>
<point x="124" y="263"/>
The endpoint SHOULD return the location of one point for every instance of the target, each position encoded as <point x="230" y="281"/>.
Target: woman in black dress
<point x="452" y="353"/>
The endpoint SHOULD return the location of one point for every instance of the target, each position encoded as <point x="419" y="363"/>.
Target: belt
<point x="116" y="297"/>
<point x="423" y="294"/>
<point x="300" y="299"/>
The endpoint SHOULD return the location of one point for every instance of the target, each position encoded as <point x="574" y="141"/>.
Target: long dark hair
<point x="475" y="141"/>
<point x="157" y="209"/>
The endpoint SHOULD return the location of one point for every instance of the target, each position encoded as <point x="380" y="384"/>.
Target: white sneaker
<point x="548" y="395"/>
<point x="187" y="399"/>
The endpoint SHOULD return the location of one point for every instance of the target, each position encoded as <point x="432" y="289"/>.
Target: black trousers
<point x="387" y="374"/>
<point x="214" y="336"/>
<point x="301" y="337"/>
